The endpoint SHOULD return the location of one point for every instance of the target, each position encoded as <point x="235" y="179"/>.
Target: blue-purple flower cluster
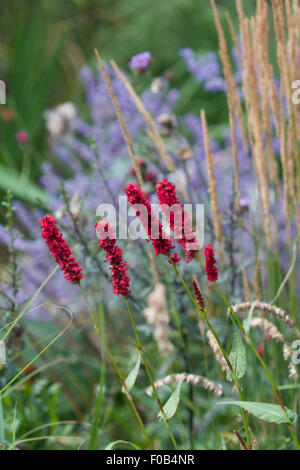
<point x="92" y="153"/>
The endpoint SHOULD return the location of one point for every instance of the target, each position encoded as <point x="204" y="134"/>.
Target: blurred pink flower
<point x="22" y="137"/>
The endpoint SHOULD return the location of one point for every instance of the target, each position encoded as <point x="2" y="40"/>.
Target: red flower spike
<point x="175" y="258"/>
<point x="210" y="261"/>
<point x="179" y="223"/>
<point x="198" y="295"/>
<point x="114" y="255"/>
<point x="60" y="250"/>
<point x="161" y="243"/>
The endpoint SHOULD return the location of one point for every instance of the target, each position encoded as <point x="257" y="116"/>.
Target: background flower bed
<point x="88" y="154"/>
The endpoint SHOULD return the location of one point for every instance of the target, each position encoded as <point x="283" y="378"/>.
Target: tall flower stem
<point x="115" y="365"/>
<point x="262" y="362"/>
<point x="140" y="348"/>
<point x="248" y="340"/>
<point x="225" y="355"/>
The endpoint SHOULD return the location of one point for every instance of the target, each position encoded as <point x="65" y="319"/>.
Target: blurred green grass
<point x="43" y="45"/>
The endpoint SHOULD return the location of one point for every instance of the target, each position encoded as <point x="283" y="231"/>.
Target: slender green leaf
<point x="26" y="191"/>
<point x="265" y="411"/>
<point x="289" y="387"/>
<point x="130" y="381"/>
<point x="115" y="443"/>
<point x="237" y="357"/>
<point x="171" y="406"/>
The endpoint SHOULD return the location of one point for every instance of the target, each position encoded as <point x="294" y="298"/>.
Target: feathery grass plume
<point x="226" y="62"/>
<point x="246" y="286"/>
<point x="287" y="355"/>
<point x="285" y="60"/>
<point x="60" y="250"/>
<point x="154" y="132"/>
<point x="231" y="98"/>
<point x="195" y="380"/>
<point x="268" y="328"/>
<point x="264" y="307"/>
<point x="216" y="215"/>
<point x="157" y="316"/>
<point x="216" y="350"/>
<point x="260" y="34"/>
<point x="123" y="125"/>
<point x="251" y="90"/>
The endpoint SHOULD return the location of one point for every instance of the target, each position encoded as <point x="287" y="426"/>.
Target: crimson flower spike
<point x="60" y="250"/>
<point x="114" y="255"/>
<point x="161" y="243"/>
<point x="198" y="295"/>
<point x="210" y="261"/>
<point x="180" y="223"/>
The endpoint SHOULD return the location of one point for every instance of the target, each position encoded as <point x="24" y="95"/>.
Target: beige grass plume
<point x="153" y="131"/>
<point x="216" y="215"/>
<point x="157" y="316"/>
<point x="216" y="350"/>
<point x="195" y="380"/>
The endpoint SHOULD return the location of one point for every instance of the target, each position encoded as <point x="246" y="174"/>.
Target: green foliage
<point x="237" y="357"/>
<point x="265" y="411"/>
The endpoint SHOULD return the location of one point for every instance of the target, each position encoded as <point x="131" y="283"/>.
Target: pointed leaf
<point x="247" y="322"/>
<point x="111" y="445"/>
<point x="130" y="381"/>
<point x="237" y="357"/>
<point x="265" y="411"/>
<point x="171" y="406"/>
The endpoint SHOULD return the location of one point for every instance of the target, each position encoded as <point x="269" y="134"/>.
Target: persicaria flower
<point x="114" y="255"/>
<point x="210" y="261"/>
<point x="260" y="349"/>
<point x="60" y="250"/>
<point x="175" y="259"/>
<point x="22" y="137"/>
<point x="140" y="62"/>
<point x="161" y="243"/>
<point x="198" y="295"/>
<point x="179" y="221"/>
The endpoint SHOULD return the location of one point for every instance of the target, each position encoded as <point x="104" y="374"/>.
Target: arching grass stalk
<point x="225" y="355"/>
<point x="115" y="365"/>
<point x="234" y="317"/>
<point x="23" y="311"/>
<point x="140" y="348"/>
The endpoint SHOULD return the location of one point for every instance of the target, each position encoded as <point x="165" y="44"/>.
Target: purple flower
<point x="215" y="85"/>
<point x="140" y="62"/>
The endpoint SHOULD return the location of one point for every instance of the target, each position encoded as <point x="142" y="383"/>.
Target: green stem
<point x="228" y="362"/>
<point x="150" y="377"/>
<point x="23" y="311"/>
<point x="262" y="362"/>
<point x="128" y="395"/>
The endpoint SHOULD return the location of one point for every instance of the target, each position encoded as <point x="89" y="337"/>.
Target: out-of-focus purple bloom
<point x="204" y="68"/>
<point x="276" y="145"/>
<point x="140" y="62"/>
<point x="215" y="85"/>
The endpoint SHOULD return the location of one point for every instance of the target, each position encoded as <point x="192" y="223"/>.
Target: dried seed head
<point x="195" y="380"/>
<point x="216" y="350"/>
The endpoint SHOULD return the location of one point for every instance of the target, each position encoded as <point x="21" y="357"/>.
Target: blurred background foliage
<point x="43" y="45"/>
